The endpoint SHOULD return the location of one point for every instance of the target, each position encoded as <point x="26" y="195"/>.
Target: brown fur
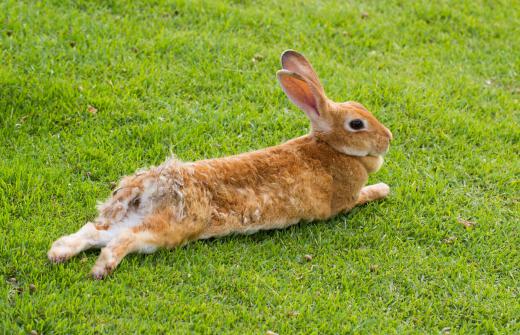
<point x="311" y="177"/>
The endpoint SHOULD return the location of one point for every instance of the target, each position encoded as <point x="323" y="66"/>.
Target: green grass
<point x="179" y="77"/>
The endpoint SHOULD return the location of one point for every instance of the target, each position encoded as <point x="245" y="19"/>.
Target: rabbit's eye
<point x="356" y="124"/>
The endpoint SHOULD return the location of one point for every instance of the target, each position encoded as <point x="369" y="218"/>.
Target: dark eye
<point x="356" y="124"/>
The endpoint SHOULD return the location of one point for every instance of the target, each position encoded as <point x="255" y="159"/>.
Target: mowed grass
<point x="197" y="79"/>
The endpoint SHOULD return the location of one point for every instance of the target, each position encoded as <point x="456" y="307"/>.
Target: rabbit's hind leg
<point x="88" y="236"/>
<point x="123" y="244"/>
<point x="160" y="230"/>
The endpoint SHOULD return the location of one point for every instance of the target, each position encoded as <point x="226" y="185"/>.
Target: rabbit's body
<point x="311" y="177"/>
<point x="265" y="189"/>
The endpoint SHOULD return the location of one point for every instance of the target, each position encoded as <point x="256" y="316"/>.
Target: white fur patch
<point x="321" y="125"/>
<point x="353" y="152"/>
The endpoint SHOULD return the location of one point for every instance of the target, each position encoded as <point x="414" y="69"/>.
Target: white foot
<point x="382" y="189"/>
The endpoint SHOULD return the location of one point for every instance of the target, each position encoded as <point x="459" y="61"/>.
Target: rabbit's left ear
<point x="295" y="62"/>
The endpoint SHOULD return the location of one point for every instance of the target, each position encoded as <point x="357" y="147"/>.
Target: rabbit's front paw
<point x="382" y="189"/>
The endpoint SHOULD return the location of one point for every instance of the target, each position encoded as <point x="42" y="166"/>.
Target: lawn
<point x="93" y="90"/>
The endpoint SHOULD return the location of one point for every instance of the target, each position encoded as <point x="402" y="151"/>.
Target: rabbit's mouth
<point x="383" y="152"/>
<point x="382" y="146"/>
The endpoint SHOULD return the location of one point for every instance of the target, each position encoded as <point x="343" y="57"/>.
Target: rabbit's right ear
<point x="295" y="62"/>
<point x="304" y="94"/>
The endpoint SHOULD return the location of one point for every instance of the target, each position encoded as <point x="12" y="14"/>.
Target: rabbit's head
<point x="348" y="127"/>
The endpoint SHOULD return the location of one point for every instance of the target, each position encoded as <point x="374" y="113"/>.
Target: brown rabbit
<point x="315" y="176"/>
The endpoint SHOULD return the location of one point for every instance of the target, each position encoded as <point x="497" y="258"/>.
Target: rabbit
<point x="312" y="177"/>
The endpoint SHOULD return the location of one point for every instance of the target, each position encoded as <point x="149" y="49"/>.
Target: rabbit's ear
<point x="304" y="94"/>
<point x="296" y="62"/>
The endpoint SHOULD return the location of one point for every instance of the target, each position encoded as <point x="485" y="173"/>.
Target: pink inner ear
<point x="300" y="93"/>
<point x="308" y="98"/>
<point x="290" y="65"/>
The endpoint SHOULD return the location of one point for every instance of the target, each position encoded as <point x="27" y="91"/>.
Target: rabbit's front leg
<point x="373" y="192"/>
<point x="86" y="237"/>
